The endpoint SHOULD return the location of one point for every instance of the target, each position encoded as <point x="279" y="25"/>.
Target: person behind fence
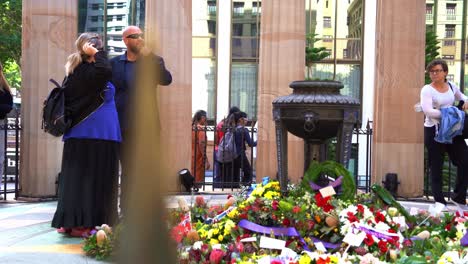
<point x="6" y="104"/>
<point x="124" y="76"/>
<point x="242" y="136"/>
<point x="200" y="162"/>
<point x="221" y="127"/>
<point x="88" y="182"/>
<point x="437" y="99"/>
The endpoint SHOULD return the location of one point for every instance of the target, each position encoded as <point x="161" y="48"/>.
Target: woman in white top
<point x="439" y="94"/>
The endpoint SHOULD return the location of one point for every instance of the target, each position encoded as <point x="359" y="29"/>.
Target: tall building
<point x="445" y="18"/>
<point x="109" y="18"/>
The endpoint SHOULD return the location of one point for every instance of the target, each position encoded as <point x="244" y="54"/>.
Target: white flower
<point x="197" y="245"/>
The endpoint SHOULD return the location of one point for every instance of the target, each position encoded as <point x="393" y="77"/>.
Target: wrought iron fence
<point x="223" y="176"/>
<point x="10" y="130"/>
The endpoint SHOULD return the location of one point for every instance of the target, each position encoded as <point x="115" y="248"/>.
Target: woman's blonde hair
<point x="3" y="82"/>
<point x="79" y="56"/>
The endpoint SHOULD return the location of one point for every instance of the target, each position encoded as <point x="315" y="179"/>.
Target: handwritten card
<point x="354" y="239"/>
<point x="327" y="191"/>
<point x="272" y="243"/>
<point x="320" y="247"/>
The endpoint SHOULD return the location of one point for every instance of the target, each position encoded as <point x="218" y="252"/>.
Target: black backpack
<point x="54" y="121"/>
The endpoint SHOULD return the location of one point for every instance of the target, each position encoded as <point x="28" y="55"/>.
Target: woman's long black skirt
<point x="88" y="184"/>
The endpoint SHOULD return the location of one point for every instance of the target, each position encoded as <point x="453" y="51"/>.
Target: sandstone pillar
<point x="398" y="130"/>
<point x="169" y="30"/>
<point x="49" y="32"/>
<point x="282" y="51"/>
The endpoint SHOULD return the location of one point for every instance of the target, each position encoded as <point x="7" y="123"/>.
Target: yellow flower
<point x="202" y="233"/>
<point x="220" y="238"/>
<point x="214" y="241"/>
<point x="271" y="194"/>
<point x="215" y="231"/>
<point x="234" y="213"/>
<point x="334" y="259"/>
<point x="305" y="259"/>
<point x="210" y="233"/>
<point x="257" y="192"/>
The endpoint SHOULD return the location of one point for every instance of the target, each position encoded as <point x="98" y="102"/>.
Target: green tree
<point x="313" y="54"/>
<point x="10" y="40"/>
<point x="432" y="50"/>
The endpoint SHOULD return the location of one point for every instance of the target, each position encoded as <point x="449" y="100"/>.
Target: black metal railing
<point x="10" y="130"/>
<point x="218" y="176"/>
<point x="221" y="175"/>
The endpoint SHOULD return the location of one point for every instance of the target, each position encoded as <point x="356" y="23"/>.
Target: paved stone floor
<point x="26" y="235"/>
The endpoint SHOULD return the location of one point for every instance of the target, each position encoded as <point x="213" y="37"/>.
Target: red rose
<point x="296" y="209"/>
<point x="352" y="218"/>
<point x="379" y="217"/>
<point x="274" y="205"/>
<point x="216" y="256"/>
<point x="382" y="246"/>
<point x="360" y="208"/>
<point x="369" y="240"/>
<point x="286" y="222"/>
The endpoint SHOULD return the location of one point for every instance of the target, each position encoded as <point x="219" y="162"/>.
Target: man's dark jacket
<point x="123" y="78"/>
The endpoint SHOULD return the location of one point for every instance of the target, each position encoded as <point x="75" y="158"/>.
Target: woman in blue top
<point x="88" y="182"/>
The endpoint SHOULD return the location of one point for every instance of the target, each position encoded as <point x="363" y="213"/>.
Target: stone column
<point x="398" y="130"/>
<point x="49" y="32"/>
<point x="282" y="52"/>
<point x="169" y="31"/>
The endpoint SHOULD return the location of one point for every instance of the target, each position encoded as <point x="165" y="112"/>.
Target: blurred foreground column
<point x="282" y="56"/>
<point x="49" y="32"/>
<point x="398" y="131"/>
<point x="160" y="140"/>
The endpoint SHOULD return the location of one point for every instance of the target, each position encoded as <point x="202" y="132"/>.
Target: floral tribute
<point x="309" y="225"/>
<point x="260" y="225"/>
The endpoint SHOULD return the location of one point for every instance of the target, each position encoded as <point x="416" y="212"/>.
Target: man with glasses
<point x="124" y="78"/>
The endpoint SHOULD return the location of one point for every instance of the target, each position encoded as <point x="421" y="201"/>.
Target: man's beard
<point x="135" y="49"/>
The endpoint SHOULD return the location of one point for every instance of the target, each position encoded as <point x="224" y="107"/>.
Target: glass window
<point x="238" y="8"/>
<point x="449" y="33"/>
<point x="429" y="15"/>
<point x="338" y="29"/>
<point x="244" y="87"/>
<point x="237" y="29"/>
<point x="204" y="56"/>
<point x="212" y="7"/>
<point x="256" y="8"/>
<point x="327" y="38"/>
<point x="119" y="16"/>
<point x="450" y="8"/>
<point x="327" y="22"/>
<point x="204" y="85"/>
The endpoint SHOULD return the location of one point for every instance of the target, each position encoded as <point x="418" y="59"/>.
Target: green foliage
<point x="107" y="248"/>
<point x="12" y="73"/>
<point x="10" y="31"/>
<point x="10" y="40"/>
<point x="432" y="47"/>
<point x="388" y="199"/>
<point x="332" y="169"/>
<point x="313" y="54"/>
